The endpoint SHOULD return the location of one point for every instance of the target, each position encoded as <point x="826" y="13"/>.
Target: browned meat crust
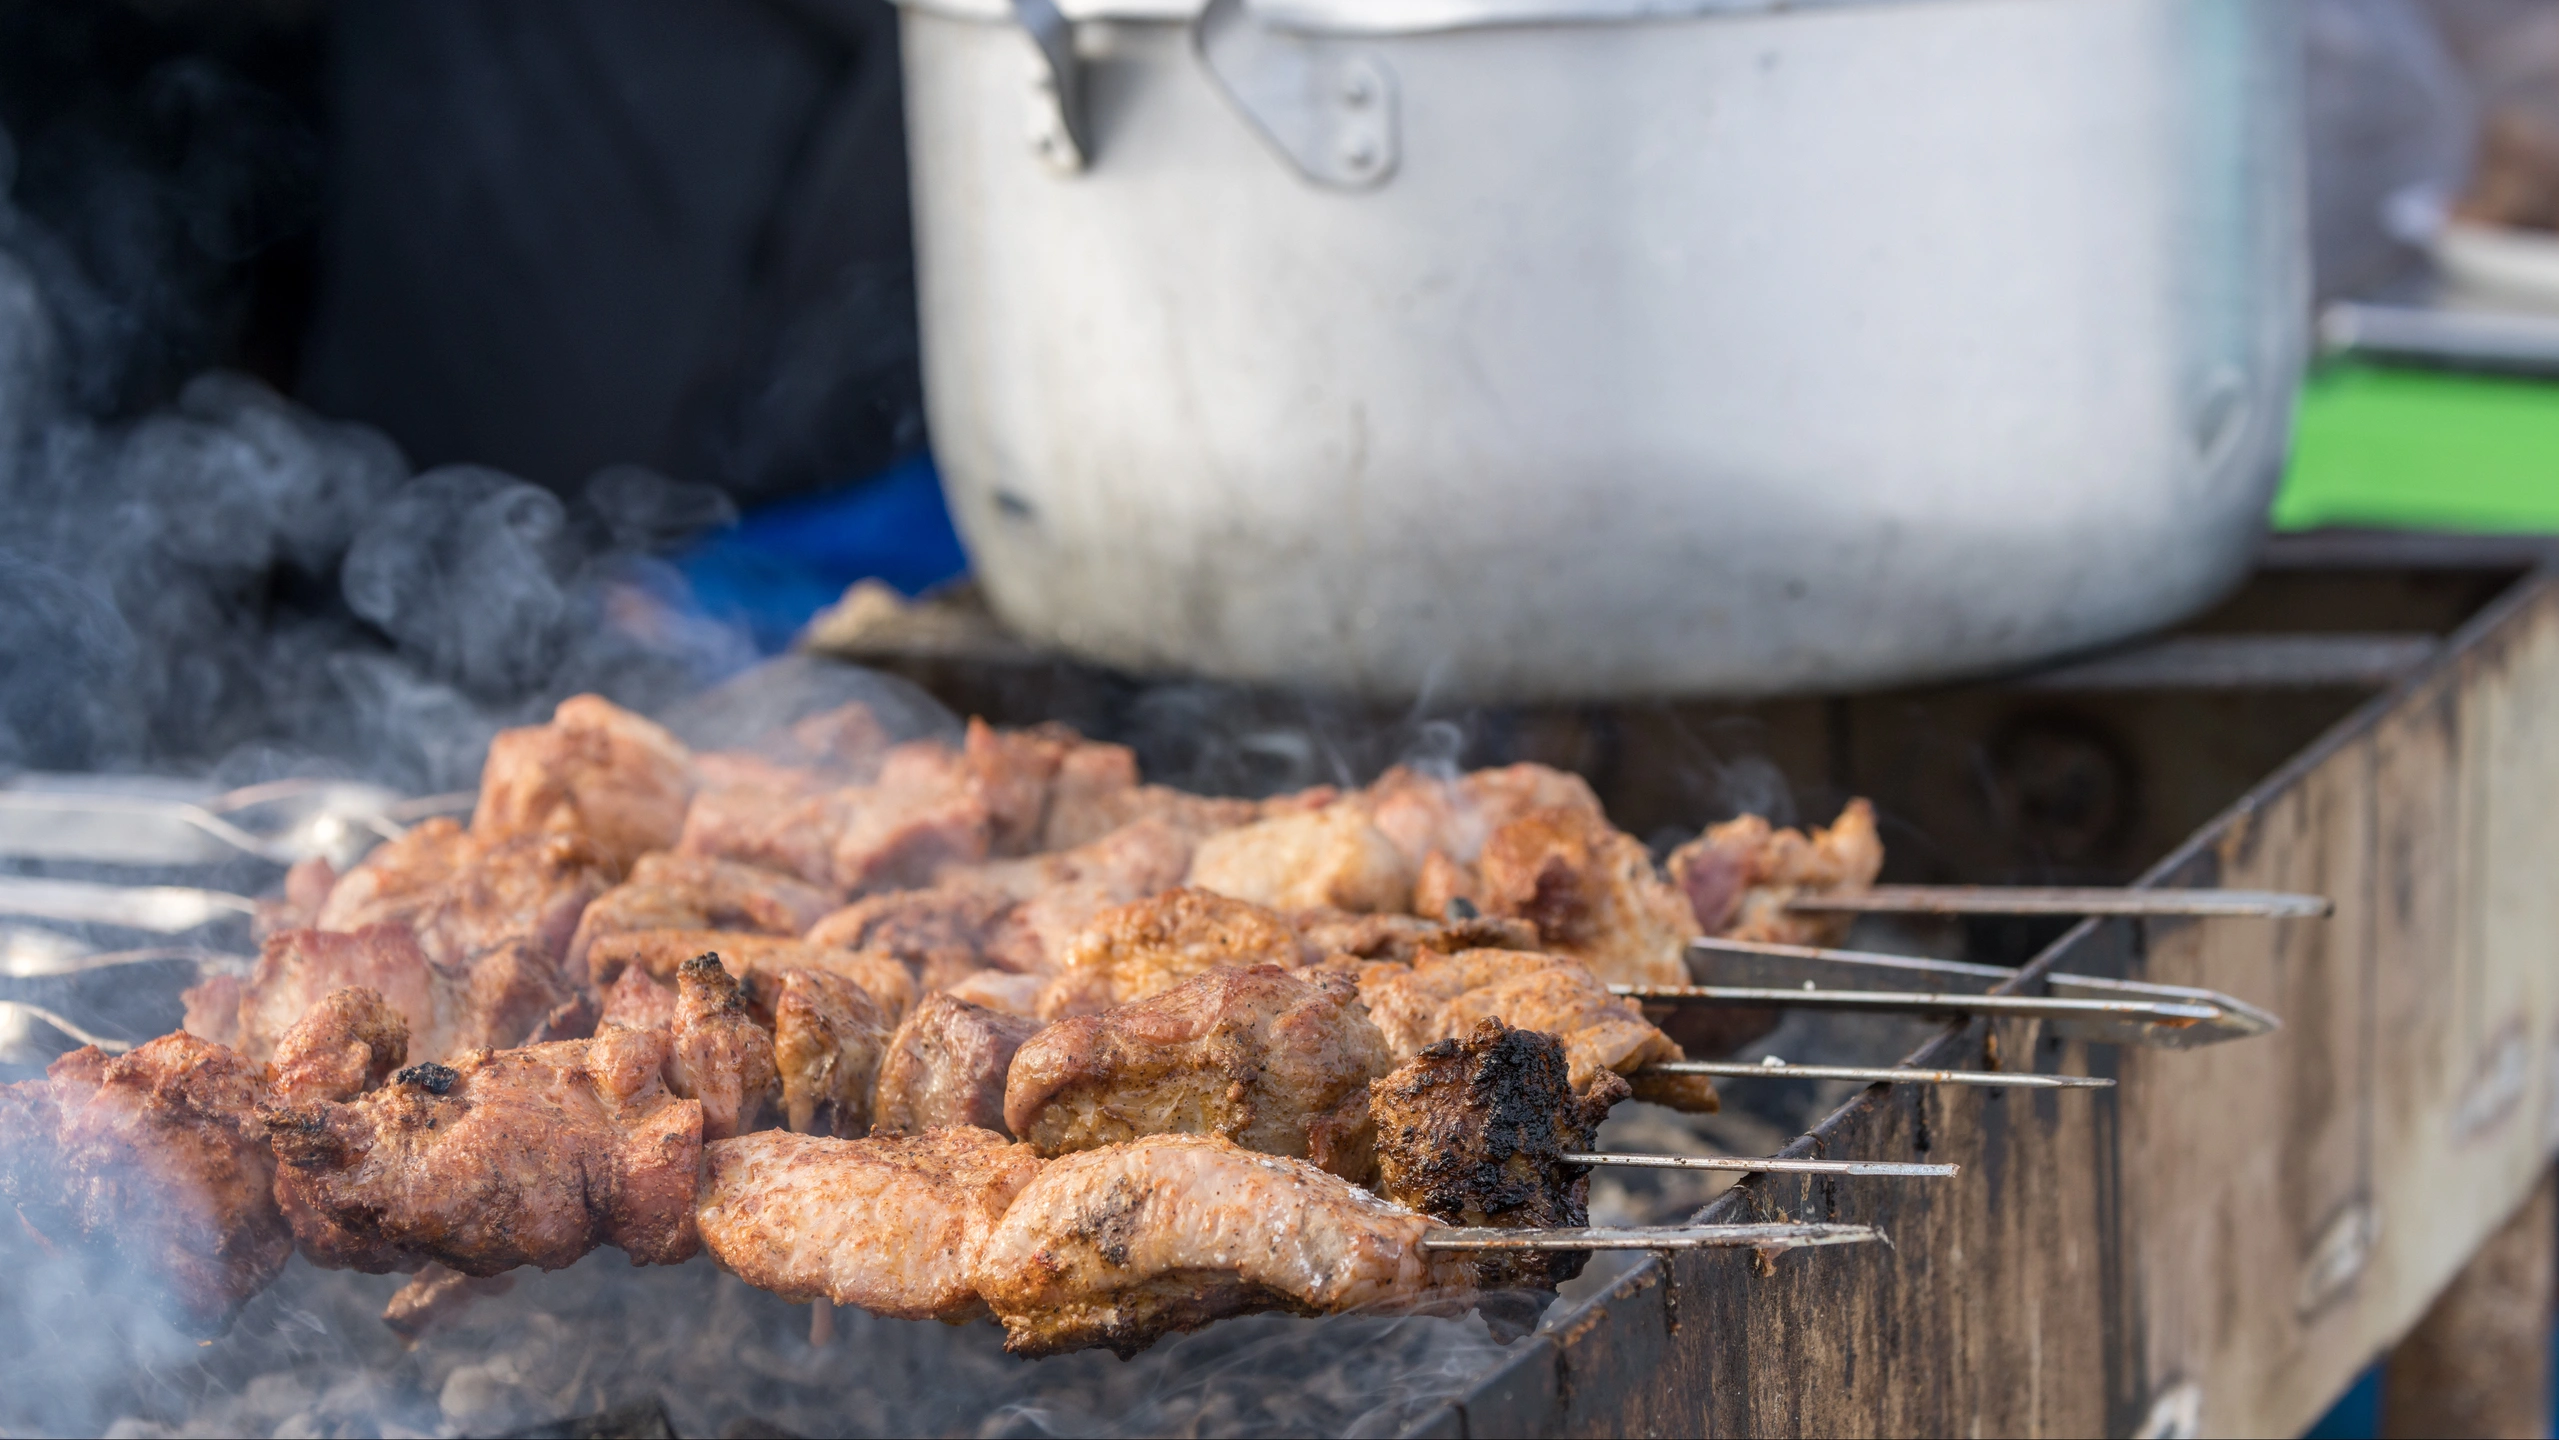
<point x="505" y="1158"/>
<point x="695" y="892"/>
<point x="1591" y="891"/>
<point x="156" y="1157"/>
<point x="597" y="771"/>
<point x="1146" y="947"/>
<point x="496" y="998"/>
<point x="938" y="933"/>
<point x="1443" y="997"/>
<point x="347" y="1044"/>
<point x="1738" y="876"/>
<point x="1330" y="858"/>
<point x="1402" y="938"/>
<point x="1452" y="816"/>
<point x="1468" y="1132"/>
<point x="946" y="1066"/>
<point x="463" y="894"/>
<point x="829" y="1038"/>
<point x="1256" y="1056"/>
<point x="663" y="952"/>
<point x="1120" y="1246"/>
<point x="892" y="1225"/>
<point x="720" y="1056"/>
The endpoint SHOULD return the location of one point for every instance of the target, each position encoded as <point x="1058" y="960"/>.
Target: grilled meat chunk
<point x="1443" y="997"/>
<point x="720" y="1056"/>
<point x="1469" y="1131"/>
<point x="155" y="1157"/>
<point x="893" y="1225"/>
<point x="1121" y="1246"/>
<point x="1270" y="1061"/>
<point x="694" y="892"/>
<point x="347" y="1044"/>
<point x="496" y="998"/>
<point x="1738" y="876"/>
<point x="773" y="817"/>
<point x="1591" y="891"/>
<point x="463" y="894"/>
<point x="1453" y="816"/>
<point x="596" y="771"/>
<point x="636" y="1002"/>
<point x="504" y="1158"/>
<point x="396" y="880"/>
<point x="1402" y="938"/>
<point x="829" y="1037"/>
<point x="1058" y="895"/>
<point x="663" y="952"/>
<point x="946" y="1066"/>
<point x="1149" y="946"/>
<point x="938" y="933"/>
<point x="1323" y="858"/>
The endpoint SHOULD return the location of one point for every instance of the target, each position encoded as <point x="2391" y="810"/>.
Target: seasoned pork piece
<point x="597" y="771"/>
<point x="1469" y="1131"/>
<point x="306" y="892"/>
<point x="1121" y="1246"/>
<point x="694" y="892"/>
<point x="1591" y="891"/>
<point x="933" y="807"/>
<point x="1443" y="997"/>
<point x="347" y="1044"/>
<point x="463" y="895"/>
<point x="1454" y="815"/>
<point x="1002" y="990"/>
<point x="1147" y="947"/>
<point x="946" y="1066"/>
<point x="637" y="1002"/>
<point x="1059" y="895"/>
<point x="1402" y="938"/>
<point x="939" y="933"/>
<point x="829" y="1037"/>
<point x="154" y="1156"/>
<point x="663" y="952"/>
<point x="892" y="1225"/>
<point x="495" y="999"/>
<point x="1090" y="796"/>
<point x="1270" y="1061"/>
<point x="1324" y="858"/>
<point x="505" y="1158"/>
<point x="394" y="882"/>
<point x="1738" y="876"/>
<point x="720" y="1057"/>
<point x="756" y="813"/>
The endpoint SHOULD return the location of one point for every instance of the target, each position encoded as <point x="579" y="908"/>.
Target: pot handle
<point x="1059" y="132"/>
<point x="1329" y="111"/>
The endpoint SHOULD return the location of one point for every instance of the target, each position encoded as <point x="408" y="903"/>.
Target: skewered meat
<point x="1120" y="1246"/>
<point x="1001" y="990"/>
<point x="939" y="933"/>
<point x="637" y="1002"/>
<point x="1739" y="875"/>
<point x="347" y="1044"/>
<point x="663" y="952"/>
<point x="494" y="1000"/>
<point x="754" y="812"/>
<point x="1443" y="997"/>
<point x="933" y="806"/>
<point x="1325" y="858"/>
<point x="720" y="1057"/>
<point x="829" y="1037"/>
<point x="1468" y="1132"/>
<point x="1149" y="946"/>
<point x="394" y="882"/>
<point x="1402" y="938"/>
<point x="307" y="884"/>
<point x="891" y="1225"/>
<point x="597" y="771"/>
<point x="1454" y="815"/>
<point x="946" y="1066"/>
<point x="155" y="1157"/>
<point x="1272" y="1062"/>
<point x="1591" y="891"/>
<point x="1059" y="894"/>
<point x="694" y="892"/>
<point x="462" y="895"/>
<point x="505" y="1158"/>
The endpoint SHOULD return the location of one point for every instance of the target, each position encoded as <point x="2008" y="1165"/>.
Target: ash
<point x="310" y="1358"/>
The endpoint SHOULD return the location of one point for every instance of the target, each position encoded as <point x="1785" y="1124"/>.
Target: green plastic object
<point x="2393" y="448"/>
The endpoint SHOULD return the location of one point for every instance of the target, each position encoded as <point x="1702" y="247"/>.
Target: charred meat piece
<point x="1121" y="1246"/>
<point x="1443" y="997"/>
<point x="946" y="1066"/>
<point x="1328" y="858"/>
<point x="720" y="1056"/>
<point x="505" y="1158"/>
<point x="1144" y="948"/>
<point x="1738" y="876"/>
<point x="694" y="892"/>
<point x="891" y="1225"/>
<point x="1591" y="891"/>
<point x="157" y="1158"/>
<point x="596" y="771"/>
<point x="939" y="933"/>
<point x="663" y="952"/>
<point x="1270" y="1061"/>
<point x="1469" y="1132"/>
<point x="829" y="1037"/>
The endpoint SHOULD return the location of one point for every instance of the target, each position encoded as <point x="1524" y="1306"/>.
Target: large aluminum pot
<point x="1546" y="349"/>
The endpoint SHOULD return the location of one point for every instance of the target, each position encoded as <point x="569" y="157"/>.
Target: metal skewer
<point x="164" y="909"/>
<point x="1660" y="1237"/>
<point x="1762" y="965"/>
<point x="2061" y="900"/>
<point x="2019" y="1007"/>
<point x="17" y="1041"/>
<point x="1884" y="1074"/>
<point x="1904" y="1169"/>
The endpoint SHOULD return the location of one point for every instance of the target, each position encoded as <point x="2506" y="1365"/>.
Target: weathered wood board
<point x="2218" y="1246"/>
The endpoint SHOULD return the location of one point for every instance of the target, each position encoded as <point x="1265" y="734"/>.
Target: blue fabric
<point x="784" y="562"/>
<point x="2357" y="1413"/>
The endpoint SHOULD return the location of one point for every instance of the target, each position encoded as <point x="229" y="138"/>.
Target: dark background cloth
<point x="573" y="233"/>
